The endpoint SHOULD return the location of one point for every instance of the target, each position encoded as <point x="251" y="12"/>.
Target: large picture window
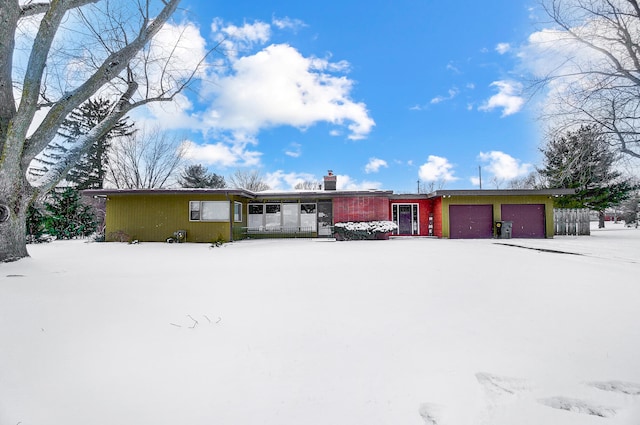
<point x="282" y="216"/>
<point x="273" y="216"/>
<point x="254" y="219"/>
<point x="209" y="211"/>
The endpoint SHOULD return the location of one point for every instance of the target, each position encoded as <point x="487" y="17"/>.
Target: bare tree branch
<point x="31" y="9"/>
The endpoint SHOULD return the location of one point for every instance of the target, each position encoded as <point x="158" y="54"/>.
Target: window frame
<point x="201" y="208"/>
<point x="237" y="212"/>
<point x="415" y="217"/>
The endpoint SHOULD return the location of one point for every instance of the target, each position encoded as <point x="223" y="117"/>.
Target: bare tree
<point x="532" y="180"/>
<point x="250" y="180"/>
<point x="599" y="78"/>
<point x="308" y="185"/>
<point x="144" y="160"/>
<point x="431" y="186"/>
<point x="81" y="49"/>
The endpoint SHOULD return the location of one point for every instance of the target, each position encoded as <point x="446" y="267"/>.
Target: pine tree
<point x="90" y="171"/>
<point x="197" y="176"/>
<point x="583" y="160"/>
<point x="36" y="224"/>
<point x="68" y="217"/>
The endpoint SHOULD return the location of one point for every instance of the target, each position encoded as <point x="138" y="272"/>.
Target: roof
<point x="269" y="194"/>
<point x="107" y="192"/>
<point x="501" y="192"/>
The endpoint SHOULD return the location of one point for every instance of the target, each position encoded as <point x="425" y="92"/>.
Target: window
<point x="272" y="217"/>
<point x="237" y="211"/>
<point x="256" y="211"/>
<point x="194" y="210"/>
<point x="278" y="216"/>
<point x="209" y="211"/>
<point x="308" y="217"/>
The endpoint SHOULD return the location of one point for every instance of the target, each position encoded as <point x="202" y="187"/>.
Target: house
<point x="205" y="215"/>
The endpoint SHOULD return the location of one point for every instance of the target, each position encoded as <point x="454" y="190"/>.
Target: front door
<point x="405" y="216"/>
<point x="404" y="220"/>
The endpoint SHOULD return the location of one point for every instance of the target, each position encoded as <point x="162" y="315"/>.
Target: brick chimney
<point x="330" y="181"/>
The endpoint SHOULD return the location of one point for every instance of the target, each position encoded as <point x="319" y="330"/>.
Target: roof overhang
<point x="306" y="194"/>
<point x="100" y="193"/>
<point x="501" y="192"/>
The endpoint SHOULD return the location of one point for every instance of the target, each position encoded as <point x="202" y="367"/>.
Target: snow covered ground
<point x="399" y="332"/>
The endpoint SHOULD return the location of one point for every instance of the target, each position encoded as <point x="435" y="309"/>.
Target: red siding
<point x="437" y="217"/>
<point x="360" y="208"/>
<point x="425" y="207"/>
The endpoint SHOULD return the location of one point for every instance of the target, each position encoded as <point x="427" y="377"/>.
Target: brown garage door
<point x="528" y="220"/>
<point x="470" y="221"/>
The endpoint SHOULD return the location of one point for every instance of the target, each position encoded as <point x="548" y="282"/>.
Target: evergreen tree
<point x="583" y="160"/>
<point x="36" y="224"/>
<point x="90" y="171"/>
<point x="197" y="176"/>
<point x="68" y="217"/>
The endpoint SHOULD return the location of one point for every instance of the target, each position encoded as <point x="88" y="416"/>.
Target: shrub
<point x="359" y="230"/>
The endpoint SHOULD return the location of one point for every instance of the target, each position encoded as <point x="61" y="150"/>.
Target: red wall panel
<point x="437" y="217"/>
<point x="360" y="208"/>
<point x="425" y="207"/>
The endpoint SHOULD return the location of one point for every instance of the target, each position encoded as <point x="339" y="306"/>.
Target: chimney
<point x="330" y="181"/>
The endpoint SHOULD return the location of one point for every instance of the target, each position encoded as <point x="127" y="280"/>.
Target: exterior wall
<point x="497" y="202"/>
<point x="360" y="208"/>
<point x="437" y="217"/>
<point x="425" y="207"/>
<point x="154" y="218"/>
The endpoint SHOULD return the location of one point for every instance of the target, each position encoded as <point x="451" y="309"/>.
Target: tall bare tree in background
<point x="308" y="185"/>
<point x="598" y="80"/>
<point x="250" y="180"/>
<point x="146" y="159"/>
<point x="77" y="49"/>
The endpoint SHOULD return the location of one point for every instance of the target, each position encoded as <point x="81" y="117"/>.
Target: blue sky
<point x="383" y="93"/>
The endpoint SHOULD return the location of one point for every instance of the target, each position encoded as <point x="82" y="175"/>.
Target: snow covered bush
<point x="355" y="230"/>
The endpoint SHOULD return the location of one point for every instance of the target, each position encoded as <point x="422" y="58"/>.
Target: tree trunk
<point x="14" y="204"/>
<point x="601" y="218"/>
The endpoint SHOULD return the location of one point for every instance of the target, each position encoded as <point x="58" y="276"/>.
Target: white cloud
<point x="451" y="67"/>
<point x="344" y="182"/>
<point x="436" y="168"/>
<point x="503" y="166"/>
<point x="294" y="151"/>
<point x="503" y="48"/>
<point x="278" y="86"/>
<point x="235" y="39"/>
<point x="452" y="93"/>
<point x="374" y="165"/>
<point x="279" y="180"/>
<point x="508" y="98"/>
<point x="288" y="23"/>
<point x="221" y="154"/>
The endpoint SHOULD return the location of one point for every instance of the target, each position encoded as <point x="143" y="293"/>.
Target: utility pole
<point x="480" y="175"/>
<point x="418" y="186"/>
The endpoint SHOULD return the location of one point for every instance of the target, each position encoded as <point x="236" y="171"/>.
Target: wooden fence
<point x="571" y="221"/>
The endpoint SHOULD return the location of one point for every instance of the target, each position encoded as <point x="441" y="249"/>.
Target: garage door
<point x="470" y="221"/>
<point x="528" y="220"/>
